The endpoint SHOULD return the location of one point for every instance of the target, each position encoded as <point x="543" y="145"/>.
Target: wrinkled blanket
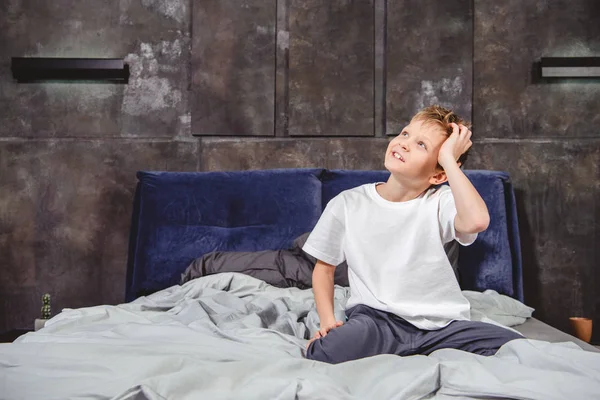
<point x="230" y="336"/>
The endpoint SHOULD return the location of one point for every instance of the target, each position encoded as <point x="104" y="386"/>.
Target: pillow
<point x="281" y="268"/>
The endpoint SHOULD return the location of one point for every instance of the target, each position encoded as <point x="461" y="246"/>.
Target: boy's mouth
<point x="397" y="156"/>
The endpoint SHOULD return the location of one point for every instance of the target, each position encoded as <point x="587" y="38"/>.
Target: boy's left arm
<point x="471" y="212"/>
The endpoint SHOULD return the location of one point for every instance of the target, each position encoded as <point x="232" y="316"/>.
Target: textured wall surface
<point x="233" y="67"/>
<point x="557" y="188"/>
<point x="331" y="67"/>
<point x="546" y="135"/>
<point x="152" y="36"/>
<point x="429" y="58"/>
<point x="69" y="151"/>
<point x="509" y="37"/>
<point x="65" y="210"/>
<point x="228" y="85"/>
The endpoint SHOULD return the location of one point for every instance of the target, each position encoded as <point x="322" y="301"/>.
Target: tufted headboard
<point x="179" y="216"/>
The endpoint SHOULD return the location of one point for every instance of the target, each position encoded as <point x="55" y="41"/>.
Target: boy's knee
<point x="316" y="352"/>
<point x="347" y="342"/>
<point x="329" y="349"/>
<point x="508" y="336"/>
<point x="503" y="336"/>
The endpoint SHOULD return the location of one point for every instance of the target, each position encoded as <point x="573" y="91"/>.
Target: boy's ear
<point x="439" y="178"/>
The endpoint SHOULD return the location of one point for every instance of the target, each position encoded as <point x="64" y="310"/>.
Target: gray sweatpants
<point x="369" y="332"/>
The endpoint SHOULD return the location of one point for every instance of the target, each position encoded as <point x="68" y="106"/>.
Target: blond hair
<point x="442" y="117"/>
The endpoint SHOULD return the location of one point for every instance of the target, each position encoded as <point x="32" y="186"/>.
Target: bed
<point x="231" y="335"/>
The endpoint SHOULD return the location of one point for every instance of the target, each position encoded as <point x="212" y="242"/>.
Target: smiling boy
<point x="404" y="299"/>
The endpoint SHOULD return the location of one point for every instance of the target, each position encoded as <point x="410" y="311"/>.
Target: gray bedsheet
<point x="230" y="336"/>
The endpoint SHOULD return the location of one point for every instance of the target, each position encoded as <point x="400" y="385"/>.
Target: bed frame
<point x="180" y="216"/>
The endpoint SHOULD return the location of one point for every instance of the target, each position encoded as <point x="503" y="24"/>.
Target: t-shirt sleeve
<point x="446" y="216"/>
<point x="326" y="240"/>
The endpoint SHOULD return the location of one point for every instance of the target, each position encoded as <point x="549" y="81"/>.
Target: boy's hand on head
<point x="458" y="142"/>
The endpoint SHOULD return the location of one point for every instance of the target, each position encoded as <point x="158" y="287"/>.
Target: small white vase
<point x="39" y="324"/>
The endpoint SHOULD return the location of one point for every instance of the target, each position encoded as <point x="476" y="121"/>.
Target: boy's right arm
<point x="322" y="280"/>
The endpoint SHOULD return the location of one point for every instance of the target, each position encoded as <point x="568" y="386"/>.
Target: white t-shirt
<point x="395" y="253"/>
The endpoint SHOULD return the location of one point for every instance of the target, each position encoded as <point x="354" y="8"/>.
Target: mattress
<point x="231" y="336"/>
<point x="538" y="330"/>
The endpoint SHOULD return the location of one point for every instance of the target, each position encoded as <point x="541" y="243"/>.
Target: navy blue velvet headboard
<point x="179" y="216"/>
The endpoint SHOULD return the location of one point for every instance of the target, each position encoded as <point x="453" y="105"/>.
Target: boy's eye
<point x="404" y="134"/>
<point x="422" y="145"/>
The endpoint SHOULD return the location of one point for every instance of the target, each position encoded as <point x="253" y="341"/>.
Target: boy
<point x="404" y="299"/>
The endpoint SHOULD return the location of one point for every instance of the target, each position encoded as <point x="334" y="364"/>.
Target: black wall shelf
<point x="37" y="69"/>
<point x="570" y="67"/>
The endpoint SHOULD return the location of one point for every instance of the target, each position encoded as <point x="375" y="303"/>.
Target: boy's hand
<point x="458" y="142"/>
<point x="325" y="328"/>
<point x="324" y="331"/>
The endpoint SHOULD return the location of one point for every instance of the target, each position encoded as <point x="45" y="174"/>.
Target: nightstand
<point x="10" y="336"/>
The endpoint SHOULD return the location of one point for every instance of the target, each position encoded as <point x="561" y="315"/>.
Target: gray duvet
<point x="230" y="336"/>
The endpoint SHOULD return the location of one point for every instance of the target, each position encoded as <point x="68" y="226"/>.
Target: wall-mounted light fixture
<point x="570" y="67"/>
<point x="34" y="69"/>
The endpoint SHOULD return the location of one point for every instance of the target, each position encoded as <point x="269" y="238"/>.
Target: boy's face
<point x="413" y="154"/>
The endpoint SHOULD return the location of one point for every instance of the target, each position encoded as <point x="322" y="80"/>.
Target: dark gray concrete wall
<point x="429" y="58"/>
<point x="264" y="76"/>
<point x="547" y="136"/>
<point x="331" y="67"/>
<point x="69" y="152"/>
<point x="233" y="67"/>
